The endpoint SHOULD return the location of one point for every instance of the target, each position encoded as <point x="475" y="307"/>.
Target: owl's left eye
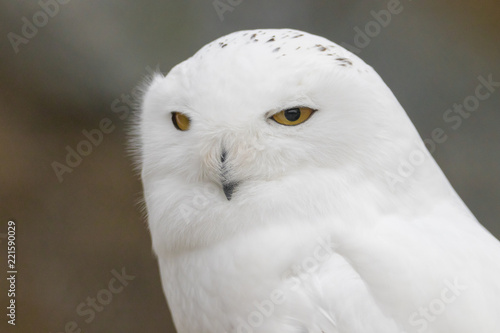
<point x="293" y="116"/>
<point x="180" y="121"/>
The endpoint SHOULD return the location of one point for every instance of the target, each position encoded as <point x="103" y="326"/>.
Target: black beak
<point x="228" y="186"/>
<point x="229" y="189"/>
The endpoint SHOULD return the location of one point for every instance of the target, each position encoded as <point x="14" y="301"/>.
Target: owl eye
<point x="181" y="121"/>
<point x="293" y="116"/>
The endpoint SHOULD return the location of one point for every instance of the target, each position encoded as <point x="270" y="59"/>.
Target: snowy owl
<point x="271" y="163"/>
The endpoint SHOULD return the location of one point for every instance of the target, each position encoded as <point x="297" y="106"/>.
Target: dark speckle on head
<point x="321" y="47"/>
<point x="344" y="61"/>
<point x="283" y="43"/>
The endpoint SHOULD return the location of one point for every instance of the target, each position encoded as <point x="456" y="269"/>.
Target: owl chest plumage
<point x="278" y="279"/>
<point x="283" y="279"/>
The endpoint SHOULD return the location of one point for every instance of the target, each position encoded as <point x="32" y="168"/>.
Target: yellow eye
<point x="293" y="116"/>
<point x="181" y="121"/>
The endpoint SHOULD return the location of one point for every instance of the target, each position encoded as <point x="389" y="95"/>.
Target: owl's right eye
<point x="180" y="121"/>
<point x="293" y="116"/>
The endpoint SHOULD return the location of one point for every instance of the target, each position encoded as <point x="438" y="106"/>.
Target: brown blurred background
<point x="67" y="78"/>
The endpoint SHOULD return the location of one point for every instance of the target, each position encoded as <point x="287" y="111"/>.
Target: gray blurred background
<point x="86" y="60"/>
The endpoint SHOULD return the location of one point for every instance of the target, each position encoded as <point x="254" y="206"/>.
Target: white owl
<point x="268" y="162"/>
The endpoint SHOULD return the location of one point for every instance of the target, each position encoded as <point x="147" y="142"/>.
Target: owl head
<point x="262" y="127"/>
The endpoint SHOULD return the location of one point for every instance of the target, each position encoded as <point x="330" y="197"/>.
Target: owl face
<point x="258" y="115"/>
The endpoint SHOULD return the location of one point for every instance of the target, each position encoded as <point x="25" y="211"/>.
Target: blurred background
<point x="67" y="65"/>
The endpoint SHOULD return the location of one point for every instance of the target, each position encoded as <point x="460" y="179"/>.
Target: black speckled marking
<point x="280" y="45"/>
<point x="321" y="47"/>
<point x="344" y="61"/>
